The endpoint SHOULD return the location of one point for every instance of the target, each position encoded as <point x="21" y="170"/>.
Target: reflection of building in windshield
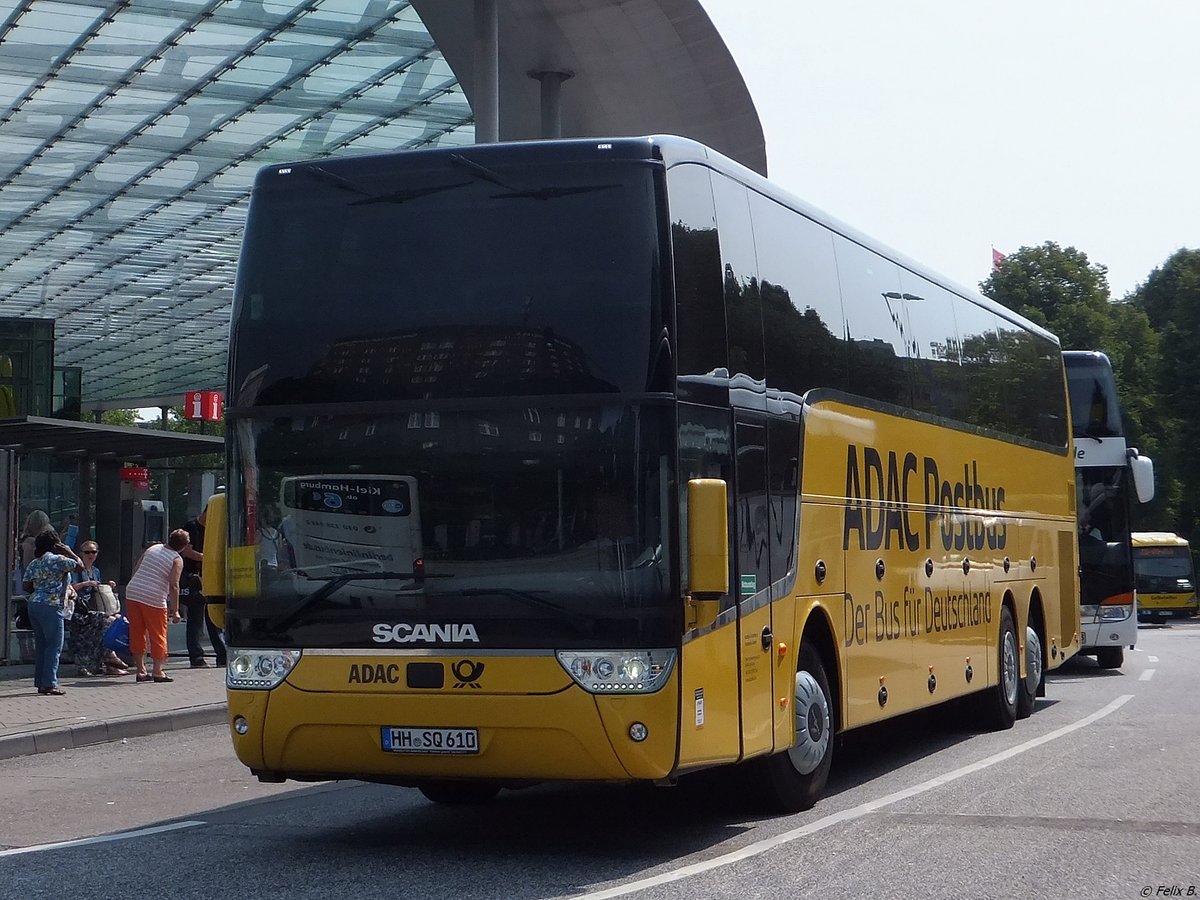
<point x="454" y="362"/>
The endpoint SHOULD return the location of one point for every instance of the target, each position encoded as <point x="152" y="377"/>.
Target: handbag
<point x="116" y="636"/>
<point x="106" y="600"/>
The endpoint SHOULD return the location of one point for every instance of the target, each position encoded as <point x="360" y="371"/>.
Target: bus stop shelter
<point x="109" y="448"/>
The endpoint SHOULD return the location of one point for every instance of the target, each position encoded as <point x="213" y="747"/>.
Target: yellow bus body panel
<point x="533" y="722"/>
<point x="935" y="528"/>
<point x="1180" y="601"/>
<point x="709" y="718"/>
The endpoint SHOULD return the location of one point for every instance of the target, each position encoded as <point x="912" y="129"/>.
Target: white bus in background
<point x="363" y="522"/>
<point x="1109" y="475"/>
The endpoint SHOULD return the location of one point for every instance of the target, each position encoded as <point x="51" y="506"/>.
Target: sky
<point x="945" y="128"/>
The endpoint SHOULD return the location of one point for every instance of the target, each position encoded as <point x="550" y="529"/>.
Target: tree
<point x="1057" y="288"/>
<point x="1170" y="299"/>
<point x="127" y="418"/>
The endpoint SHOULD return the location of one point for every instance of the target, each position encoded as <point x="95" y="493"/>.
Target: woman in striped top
<point x="151" y="595"/>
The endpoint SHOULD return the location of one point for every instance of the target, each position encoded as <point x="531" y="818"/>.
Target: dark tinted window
<point x="783" y="441"/>
<point x="876" y="324"/>
<point x="753" y="518"/>
<point x="982" y="368"/>
<point x="700" y="348"/>
<point x="397" y="278"/>
<point x="801" y="305"/>
<point x="935" y="355"/>
<point x="1035" y="406"/>
<point x="743" y="313"/>
<point x="1095" y="411"/>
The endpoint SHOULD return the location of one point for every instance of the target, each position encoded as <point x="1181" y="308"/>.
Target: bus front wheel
<point x="795" y="779"/>
<point x="459" y="793"/>
<point x="1110" y="657"/>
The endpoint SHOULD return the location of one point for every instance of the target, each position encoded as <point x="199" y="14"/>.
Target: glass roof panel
<point x="129" y="147"/>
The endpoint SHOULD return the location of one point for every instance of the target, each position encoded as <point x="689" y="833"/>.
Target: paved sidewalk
<point x="95" y="710"/>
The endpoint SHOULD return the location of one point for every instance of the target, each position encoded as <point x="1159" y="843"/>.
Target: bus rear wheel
<point x="998" y="705"/>
<point x="795" y="779"/>
<point x="1110" y="657"/>
<point x="1035" y="671"/>
<point x="459" y="793"/>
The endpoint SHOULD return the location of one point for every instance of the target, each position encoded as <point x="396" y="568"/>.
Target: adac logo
<point x="466" y="673"/>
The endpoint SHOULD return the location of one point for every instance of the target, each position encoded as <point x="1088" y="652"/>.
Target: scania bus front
<point x="480" y="332"/>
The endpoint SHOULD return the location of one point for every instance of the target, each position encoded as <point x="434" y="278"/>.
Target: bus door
<point x="751" y="530"/>
<point x="710" y="721"/>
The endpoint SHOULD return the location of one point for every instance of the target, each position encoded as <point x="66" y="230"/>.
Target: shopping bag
<point x="116" y="637"/>
<point x="106" y="600"/>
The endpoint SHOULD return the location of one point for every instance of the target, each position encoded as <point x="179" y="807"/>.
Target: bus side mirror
<point x="708" y="538"/>
<point x="1142" y="468"/>
<point x="212" y="569"/>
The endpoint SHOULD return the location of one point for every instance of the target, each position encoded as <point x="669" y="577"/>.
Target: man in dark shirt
<point x="191" y="597"/>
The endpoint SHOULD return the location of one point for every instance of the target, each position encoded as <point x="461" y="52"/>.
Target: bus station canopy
<point x="32" y="434"/>
<point x="131" y="131"/>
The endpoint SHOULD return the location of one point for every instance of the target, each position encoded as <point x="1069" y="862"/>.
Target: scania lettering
<point x="403" y="633"/>
<point x="706" y="477"/>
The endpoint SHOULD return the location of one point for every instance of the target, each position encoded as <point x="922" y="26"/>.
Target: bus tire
<point x="1110" y="657"/>
<point x="459" y="793"/>
<point x="999" y="703"/>
<point x="795" y="779"/>
<point x="1035" y="672"/>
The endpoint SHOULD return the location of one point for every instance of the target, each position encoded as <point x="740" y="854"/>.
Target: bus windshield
<point x="1163" y="570"/>
<point x="530" y="524"/>
<point x="433" y="277"/>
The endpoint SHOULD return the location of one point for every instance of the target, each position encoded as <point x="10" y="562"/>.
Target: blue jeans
<point x="48" y="631"/>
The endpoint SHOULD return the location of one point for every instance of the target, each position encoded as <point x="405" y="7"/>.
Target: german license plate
<point x="430" y="740"/>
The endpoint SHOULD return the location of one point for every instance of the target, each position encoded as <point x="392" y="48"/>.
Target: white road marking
<point x="850" y="815"/>
<point x="1152" y="658"/>
<point x="102" y="839"/>
<point x="1147" y="674"/>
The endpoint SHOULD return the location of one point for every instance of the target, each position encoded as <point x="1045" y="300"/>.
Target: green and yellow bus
<point x="705" y="477"/>
<point x="1164" y="573"/>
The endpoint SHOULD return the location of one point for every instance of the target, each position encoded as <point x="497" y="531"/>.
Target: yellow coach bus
<point x="1164" y="575"/>
<point x="705" y="477"/>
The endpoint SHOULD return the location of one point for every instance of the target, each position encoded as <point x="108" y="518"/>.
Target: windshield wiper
<point x="410" y="194"/>
<point x="480" y="171"/>
<point x="553" y="193"/>
<point x="332" y="583"/>
<point x="333" y="178"/>
<point x="516" y="192"/>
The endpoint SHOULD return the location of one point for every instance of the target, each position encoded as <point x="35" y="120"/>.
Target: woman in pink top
<point x="152" y="594"/>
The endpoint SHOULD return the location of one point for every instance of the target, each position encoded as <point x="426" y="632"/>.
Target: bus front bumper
<point x="567" y="735"/>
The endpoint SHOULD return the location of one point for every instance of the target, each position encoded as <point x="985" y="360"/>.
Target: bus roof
<point x="1157" y="539"/>
<point x="671" y="150"/>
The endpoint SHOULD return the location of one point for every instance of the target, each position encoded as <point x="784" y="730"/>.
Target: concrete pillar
<point x="551" y="83"/>
<point x="487" y="72"/>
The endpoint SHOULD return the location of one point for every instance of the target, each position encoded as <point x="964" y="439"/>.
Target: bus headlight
<point x="618" y="671"/>
<point x="259" y="669"/>
<point x="1115" y="613"/>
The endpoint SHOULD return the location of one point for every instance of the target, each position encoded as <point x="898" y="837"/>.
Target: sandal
<point x="160" y="679"/>
<point x="55" y="692"/>
<point x="142" y="676"/>
<point x="113" y="670"/>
